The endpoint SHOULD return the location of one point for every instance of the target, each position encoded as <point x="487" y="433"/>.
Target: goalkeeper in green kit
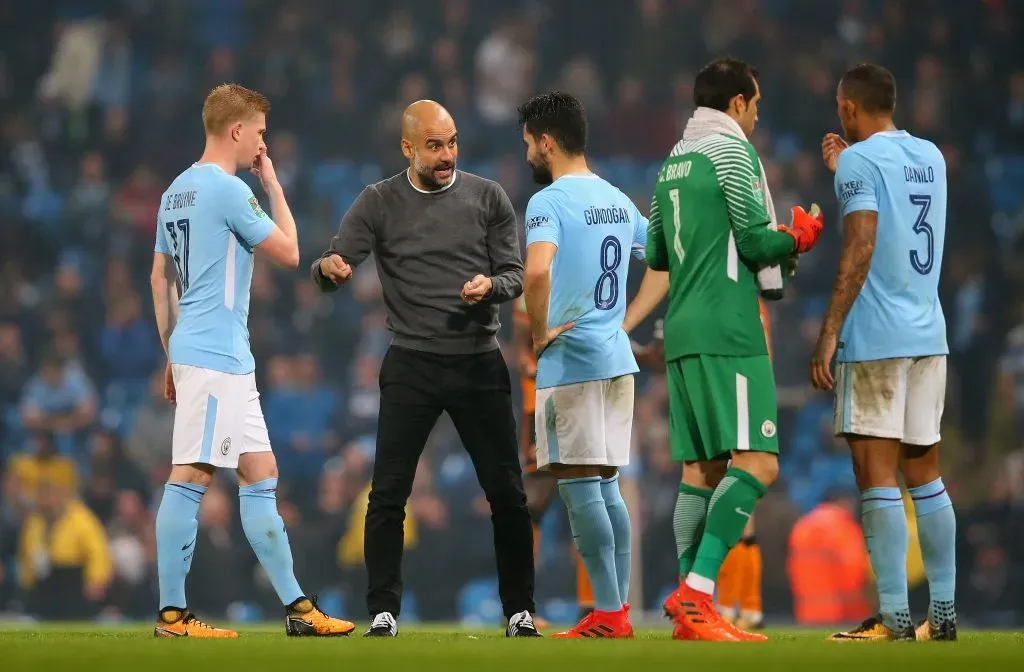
<point x="712" y="228"/>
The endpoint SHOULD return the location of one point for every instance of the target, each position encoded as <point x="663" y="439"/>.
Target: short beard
<point x="541" y="173"/>
<point x="426" y="176"/>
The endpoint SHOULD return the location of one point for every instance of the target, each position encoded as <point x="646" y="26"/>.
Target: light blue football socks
<point x="594" y="536"/>
<point x="936" y="530"/>
<point x="176" y="528"/>
<point x="265" y="531"/>
<point x="618" y="514"/>
<point x="885" y="531"/>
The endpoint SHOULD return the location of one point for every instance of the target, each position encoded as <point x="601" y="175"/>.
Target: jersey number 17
<point x="179" y="243"/>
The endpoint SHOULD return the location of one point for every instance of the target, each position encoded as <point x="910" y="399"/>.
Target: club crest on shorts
<point x="767" y="429"/>
<point x="225" y="446"/>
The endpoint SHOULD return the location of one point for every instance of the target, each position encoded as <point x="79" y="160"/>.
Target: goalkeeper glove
<point x="805" y="227"/>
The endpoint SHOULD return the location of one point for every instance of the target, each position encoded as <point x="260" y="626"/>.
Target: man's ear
<point x="406" y="149"/>
<point x="738" y="104"/>
<point x="546" y="142"/>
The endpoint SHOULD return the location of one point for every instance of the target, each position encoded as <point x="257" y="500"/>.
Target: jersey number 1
<point x="677" y="245"/>
<point x="180" y="245"/>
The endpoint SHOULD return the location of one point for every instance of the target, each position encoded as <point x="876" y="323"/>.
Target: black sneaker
<point x="384" y="625"/>
<point x="944" y="632"/>
<point x="522" y="625"/>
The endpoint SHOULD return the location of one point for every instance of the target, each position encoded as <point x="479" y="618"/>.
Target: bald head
<point x="430" y="142"/>
<point x="423" y="115"/>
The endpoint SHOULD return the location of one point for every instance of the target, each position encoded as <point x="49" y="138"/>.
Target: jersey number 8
<point x="608" y="275"/>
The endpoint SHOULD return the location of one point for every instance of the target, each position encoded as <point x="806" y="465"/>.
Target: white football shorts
<point x="900" y="398"/>
<point x="218" y="417"/>
<point x="587" y="423"/>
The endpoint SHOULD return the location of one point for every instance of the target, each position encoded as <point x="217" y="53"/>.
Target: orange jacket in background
<point x="829" y="569"/>
<point x="766" y="323"/>
<point x="525" y="357"/>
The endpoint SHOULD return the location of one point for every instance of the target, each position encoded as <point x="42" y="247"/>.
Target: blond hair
<point x="229" y="103"/>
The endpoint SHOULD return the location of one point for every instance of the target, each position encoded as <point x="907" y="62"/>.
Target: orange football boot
<point x="600" y="624"/>
<point x="187" y="625"/>
<point x="696" y="618"/>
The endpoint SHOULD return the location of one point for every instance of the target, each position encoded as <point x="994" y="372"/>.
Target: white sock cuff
<point x="700" y="583"/>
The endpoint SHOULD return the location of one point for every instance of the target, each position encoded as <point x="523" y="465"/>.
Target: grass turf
<point x="89" y="647"/>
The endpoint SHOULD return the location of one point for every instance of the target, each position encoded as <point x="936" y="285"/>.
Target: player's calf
<point x="734" y="499"/>
<point x="885" y="532"/>
<point x="592" y="529"/>
<point x="176" y="528"/>
<point x="936" y="527"/>
<point x="699" y="480"/>
<point x="618" y="514"/>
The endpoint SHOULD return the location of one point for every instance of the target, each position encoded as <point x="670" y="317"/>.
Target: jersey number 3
<point x="923" y="266"/>
<point x="606" y="292"/>
<point x="180" y="245"/>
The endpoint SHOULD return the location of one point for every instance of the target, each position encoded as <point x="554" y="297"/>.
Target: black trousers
<point x="415" y="387"/>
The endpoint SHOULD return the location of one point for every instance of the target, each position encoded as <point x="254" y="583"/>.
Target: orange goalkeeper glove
<point x="805" y="228"/>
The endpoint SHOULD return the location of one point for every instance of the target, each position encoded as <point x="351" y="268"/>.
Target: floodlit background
<point x="100" y="109"/>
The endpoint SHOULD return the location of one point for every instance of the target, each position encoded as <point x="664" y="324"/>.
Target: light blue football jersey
<point x="210" y="223"/>
<point x="897" y="314"/>
<point x="596" y="227"/>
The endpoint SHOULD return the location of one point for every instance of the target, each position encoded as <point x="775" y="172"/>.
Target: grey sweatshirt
<point x="427" y="245"/>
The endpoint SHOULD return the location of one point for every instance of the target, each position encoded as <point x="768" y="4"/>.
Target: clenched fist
<point x="335" y="269"/>
<point x="476" y="290"/>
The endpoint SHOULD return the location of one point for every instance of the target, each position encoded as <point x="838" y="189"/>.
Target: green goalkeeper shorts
<point x="720" y="404"/>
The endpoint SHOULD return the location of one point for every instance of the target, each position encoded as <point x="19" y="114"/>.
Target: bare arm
<point x="523" y="339"/>
<point x="282" y="242"/>
<point x="653" y="288"/>
<point x="537" y="286"/>
<point x="282" y="245"/>
<point x="859" y="230"/>
<point x="164" y="284"/>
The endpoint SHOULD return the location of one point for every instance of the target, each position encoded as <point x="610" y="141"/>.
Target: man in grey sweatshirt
<point x="447" y="252"/>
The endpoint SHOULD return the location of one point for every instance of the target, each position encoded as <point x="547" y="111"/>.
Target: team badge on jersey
<point x="767" y="429"/>
<point x="225" y="446"/>
<point x="255" y="205"/>
<point x="755" y="189"/>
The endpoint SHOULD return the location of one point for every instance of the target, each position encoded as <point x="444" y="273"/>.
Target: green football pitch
<point x="53" y="648"/>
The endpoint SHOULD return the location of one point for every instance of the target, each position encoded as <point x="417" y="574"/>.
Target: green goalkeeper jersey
<point x="709" y="229"/>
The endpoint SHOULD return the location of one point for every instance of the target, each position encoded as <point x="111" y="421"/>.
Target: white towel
<point x="707" y="121"/>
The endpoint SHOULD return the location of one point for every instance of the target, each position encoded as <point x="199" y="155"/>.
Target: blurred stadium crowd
<point x="99" y="109"/>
